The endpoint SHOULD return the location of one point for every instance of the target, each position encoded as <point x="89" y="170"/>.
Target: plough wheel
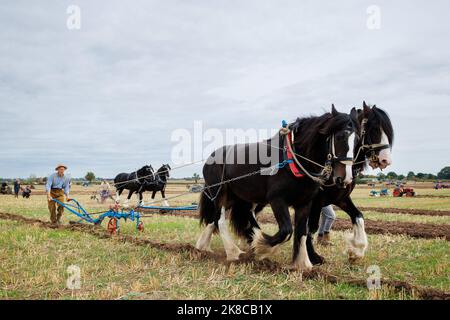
<point x="140" y="226"/>
<point x="112" y="226"/>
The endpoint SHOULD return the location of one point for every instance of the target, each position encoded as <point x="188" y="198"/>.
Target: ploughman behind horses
<point x="133" y="181"/>
<point x="322" y="142"/>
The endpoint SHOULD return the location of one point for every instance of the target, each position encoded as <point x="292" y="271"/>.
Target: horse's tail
<point x="206" y="209"/>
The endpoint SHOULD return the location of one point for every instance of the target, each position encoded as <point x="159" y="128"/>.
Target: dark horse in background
<point x="133" y="181"/>
<point x="158" y="184"/>
<point x="372" y="147"/>
<point x="323" y="139"/>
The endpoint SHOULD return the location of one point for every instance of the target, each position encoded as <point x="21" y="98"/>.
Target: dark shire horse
<point x="133" y="181"/>
<point x="159" y="183"/>
<point x="372" y="146"/>
<point x="318" y="140"/>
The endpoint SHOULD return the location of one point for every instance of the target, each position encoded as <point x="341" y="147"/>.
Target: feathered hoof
<point x="260" y="247"/>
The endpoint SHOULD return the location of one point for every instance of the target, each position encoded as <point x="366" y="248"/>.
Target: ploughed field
<point x="408" y="243"/>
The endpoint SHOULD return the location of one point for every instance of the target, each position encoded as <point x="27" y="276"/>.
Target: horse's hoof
<point x="317" y="260"/>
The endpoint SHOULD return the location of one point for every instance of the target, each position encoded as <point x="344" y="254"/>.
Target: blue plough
<point x="115" y="214"/>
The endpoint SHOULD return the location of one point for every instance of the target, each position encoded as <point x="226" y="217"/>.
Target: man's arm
<point x="67" y="189"/>
<point x="48" y="187"/>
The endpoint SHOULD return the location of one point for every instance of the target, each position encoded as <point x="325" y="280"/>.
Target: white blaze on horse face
<point x="348" y="168"/>
<point x="384" y="158"/>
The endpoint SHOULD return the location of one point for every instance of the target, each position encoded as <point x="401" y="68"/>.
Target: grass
<point x="34" y="262"/>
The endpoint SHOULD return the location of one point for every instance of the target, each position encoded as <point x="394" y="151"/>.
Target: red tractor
<point x="400" y="192"/>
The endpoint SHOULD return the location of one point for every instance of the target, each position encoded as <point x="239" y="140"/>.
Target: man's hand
<point x="68" y="198"/>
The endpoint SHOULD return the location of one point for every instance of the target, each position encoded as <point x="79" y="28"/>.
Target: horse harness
<point x="369" y="149"/>
<point x="290" y="157"/>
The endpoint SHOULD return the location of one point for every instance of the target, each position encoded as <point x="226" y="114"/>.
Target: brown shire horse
<point x="321" y="140"/>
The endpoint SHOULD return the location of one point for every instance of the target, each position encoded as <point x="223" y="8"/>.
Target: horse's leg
<point x="300" y="258"/>
<point x="141" y="198"/>
<point x="153" y="194"/>
<point x="163" y="193"/>
<point x="231" y="249"/>
<point x="265" y="245"/>
<point x="357" y="242"/>
<point x="204" y="241"/>
<point x="206" y="210"/>
<point x="118" y="193"/>
<point x="313" y="226"/>
<point x="130" y="193"/>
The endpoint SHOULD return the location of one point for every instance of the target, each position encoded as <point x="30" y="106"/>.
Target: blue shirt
<point x="54" y="181"/>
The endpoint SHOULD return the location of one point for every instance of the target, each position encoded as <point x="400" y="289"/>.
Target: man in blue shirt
<point x="57" y="186"/>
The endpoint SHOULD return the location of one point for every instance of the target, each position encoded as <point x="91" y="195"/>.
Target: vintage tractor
<point x="400" y="192"/>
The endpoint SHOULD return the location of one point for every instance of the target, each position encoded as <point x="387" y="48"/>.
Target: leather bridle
<point x="370" y="149"/>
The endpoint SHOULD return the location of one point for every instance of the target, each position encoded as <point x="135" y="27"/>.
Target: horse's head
<point x="145" y="172"/>
<point x="340" y="131"/>
<point x="164" y="170"/>
<point x="377" y="136"/>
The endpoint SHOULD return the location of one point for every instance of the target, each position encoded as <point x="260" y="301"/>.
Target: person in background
<point x="326" y="222"/>
<point x="58" y="185"/>
<point x="26" y="192"/>
<point x="105" y="191"/>
<point x="16" y="188"/>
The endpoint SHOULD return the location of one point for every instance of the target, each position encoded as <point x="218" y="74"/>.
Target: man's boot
<point x="324" y="239"/>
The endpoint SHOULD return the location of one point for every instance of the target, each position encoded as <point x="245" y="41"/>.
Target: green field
<point x="34" y="260"/>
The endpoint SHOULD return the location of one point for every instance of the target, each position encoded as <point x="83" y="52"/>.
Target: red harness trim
<point x="295" y="171"/>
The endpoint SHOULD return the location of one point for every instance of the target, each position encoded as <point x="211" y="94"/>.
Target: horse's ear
<point x="334" y="112"/>
<point x="366" y="109"/>
<point x="354" y="113"/>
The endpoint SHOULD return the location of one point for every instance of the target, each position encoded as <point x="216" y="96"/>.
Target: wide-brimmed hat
<point x="60" y="165"/>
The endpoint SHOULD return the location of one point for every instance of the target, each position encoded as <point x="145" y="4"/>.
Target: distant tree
<point x="421" y="175"/>
<point x="431" y="176"/>
<point x="391" y="175"/>
<point x="381" y="176"/>
<point x="444" y="173"/>
<point x="401" y="177"/>
<point x="196" y="176"/>
<point x="411" y="175"/>
<point x="90" y="176"/>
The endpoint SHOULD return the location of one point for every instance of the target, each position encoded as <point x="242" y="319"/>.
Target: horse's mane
<point x="164" y="167"/>
<point x="311" y="131"/>
<point x="379" y="117"/>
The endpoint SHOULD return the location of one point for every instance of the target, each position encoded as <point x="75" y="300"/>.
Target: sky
<point x="107" y="97"/>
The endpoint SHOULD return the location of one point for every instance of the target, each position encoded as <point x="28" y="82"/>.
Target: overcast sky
<point x="107" y="97"/>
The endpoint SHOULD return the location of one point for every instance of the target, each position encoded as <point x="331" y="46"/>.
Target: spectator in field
<point x="105" y="191"/>
<point x="326" y="222"/>
<point x="16" y="188"/>
<point x="58" y="185"/>
<point x="26" y="192"/>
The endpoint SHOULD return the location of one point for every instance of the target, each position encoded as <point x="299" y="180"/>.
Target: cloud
<point x="106" y="98"/>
